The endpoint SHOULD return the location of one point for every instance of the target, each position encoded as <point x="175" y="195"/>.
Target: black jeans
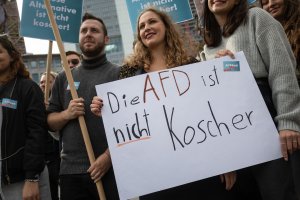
<point x="273" y="178"/>
<point x="77" y="187"/>
<point x="207" y="189"/>
<point x="53" y="170"/>
<point x="81" y="187"/>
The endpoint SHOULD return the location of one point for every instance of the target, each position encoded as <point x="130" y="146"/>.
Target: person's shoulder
<point x="62" y="74"/>
<point x="26" y="82"/>
<point x="259" y="14"/>
<point x="257" y="11"/>
<point x="192" y="60"/>
<point x="113" y="67"/>
<point x="128" y="71"/>
<point x="262" y="21"/>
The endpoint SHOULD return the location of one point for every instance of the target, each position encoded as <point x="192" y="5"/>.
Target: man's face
<point x="91" y="38"/>
<point x="43" y="82"/>
<point x="73" y="60"/>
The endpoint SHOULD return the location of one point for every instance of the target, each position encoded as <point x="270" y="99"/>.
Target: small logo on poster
<point x="231" y="66"/>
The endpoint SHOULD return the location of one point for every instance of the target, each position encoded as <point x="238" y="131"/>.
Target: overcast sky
<point x="36" y="46"/>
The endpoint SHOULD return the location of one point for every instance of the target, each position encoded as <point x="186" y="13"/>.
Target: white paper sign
<point x="184" y="124"/>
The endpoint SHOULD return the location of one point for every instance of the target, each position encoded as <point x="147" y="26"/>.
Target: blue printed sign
<point x="76" y="84"/>
<point x="179" y="10"/>
<point x="9" y="103"/>
<point x="233" y="66"/>
<point x="35" y="22"/>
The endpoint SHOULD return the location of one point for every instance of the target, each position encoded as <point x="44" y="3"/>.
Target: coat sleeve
<point x="280" y="61"/>
<point x="35" y="117"/>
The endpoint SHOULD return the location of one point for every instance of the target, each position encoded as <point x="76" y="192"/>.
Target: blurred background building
<point x="10" y="22"/>
<point x="36" y="64"/>
<point x="115" y="15"/>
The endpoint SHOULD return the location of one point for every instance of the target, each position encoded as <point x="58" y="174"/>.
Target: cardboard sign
<point x="35" y="22"/>
<point x="205" y="119"/>
<point x="179" y="10"/>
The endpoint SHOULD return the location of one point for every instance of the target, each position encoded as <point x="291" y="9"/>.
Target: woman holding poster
<point x="158" y="47"/>
<point x="231" y="25"/>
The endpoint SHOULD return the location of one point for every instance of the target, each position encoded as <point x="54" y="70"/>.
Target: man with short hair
<point x="77" y="176"/>
<point x="73" y="58"/>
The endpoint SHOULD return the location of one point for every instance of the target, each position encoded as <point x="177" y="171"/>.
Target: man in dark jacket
<point x="77" y="176"/>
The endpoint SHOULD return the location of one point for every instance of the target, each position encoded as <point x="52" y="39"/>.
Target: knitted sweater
<point x="269" y="55"/>
<point x="74" y="159"/>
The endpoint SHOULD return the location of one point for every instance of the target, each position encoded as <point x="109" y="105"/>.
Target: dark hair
<point x="17" y="66"/>
<point x="87" y="16"/>
<point x="73" y="52"/>
<point x="291" y="25"/>
<point x="212" y="31"/>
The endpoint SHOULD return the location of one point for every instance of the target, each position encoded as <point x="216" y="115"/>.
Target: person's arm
<point x="101" y="165"/>
<point x="36" y="128"/>
<point x="57" y="120"/>
<point x="289" y="141"/>
<point x="280" y="61"/>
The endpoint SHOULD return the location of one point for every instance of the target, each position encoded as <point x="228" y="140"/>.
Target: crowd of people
<point x="43" y="154"/>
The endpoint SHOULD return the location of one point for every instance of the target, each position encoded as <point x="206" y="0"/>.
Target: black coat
<point x="23" y="131"/>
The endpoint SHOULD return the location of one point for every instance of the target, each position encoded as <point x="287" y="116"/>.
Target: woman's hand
<point x="96" y="106"/>
<point x="229" y="179"/>
<point x="224" y="52"/>
<point x="290" y="142"/>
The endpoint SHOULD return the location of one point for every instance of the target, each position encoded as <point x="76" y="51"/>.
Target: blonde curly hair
<point x="175" y="53"/>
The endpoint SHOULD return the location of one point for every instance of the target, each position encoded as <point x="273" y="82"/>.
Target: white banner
<point x="184" y="124"/>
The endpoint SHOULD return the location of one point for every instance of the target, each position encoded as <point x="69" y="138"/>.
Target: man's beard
<point x="92" y="52"/>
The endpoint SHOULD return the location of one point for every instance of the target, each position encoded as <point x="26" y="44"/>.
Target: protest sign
<point x="35" y="22"/>
<point x="180" y="125"/>
<point x="179" y="10"/>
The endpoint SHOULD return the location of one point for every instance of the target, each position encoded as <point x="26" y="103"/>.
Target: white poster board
<point x="205" y="119"/>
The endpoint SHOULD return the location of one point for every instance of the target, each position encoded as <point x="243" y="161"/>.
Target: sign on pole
<point x="205" y="119"/>
<point x="179" y="10"/>
<point x="35" y="22"/>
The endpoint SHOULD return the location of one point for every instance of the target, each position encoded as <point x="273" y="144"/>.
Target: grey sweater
<point x="74" y="159"/>
<point x="269" y="55"/>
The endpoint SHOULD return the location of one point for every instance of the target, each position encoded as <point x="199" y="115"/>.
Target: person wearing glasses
<point x="73" y="58"/>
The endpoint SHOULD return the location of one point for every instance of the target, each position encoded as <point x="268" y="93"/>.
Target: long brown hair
<point x="17" y="66"/>
<point x="175" y="53"/>
<point x="291" y="25"/>
<point x="212" y="31"/>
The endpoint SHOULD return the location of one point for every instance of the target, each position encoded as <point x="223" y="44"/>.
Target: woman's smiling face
<point x="152" y="29"/>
